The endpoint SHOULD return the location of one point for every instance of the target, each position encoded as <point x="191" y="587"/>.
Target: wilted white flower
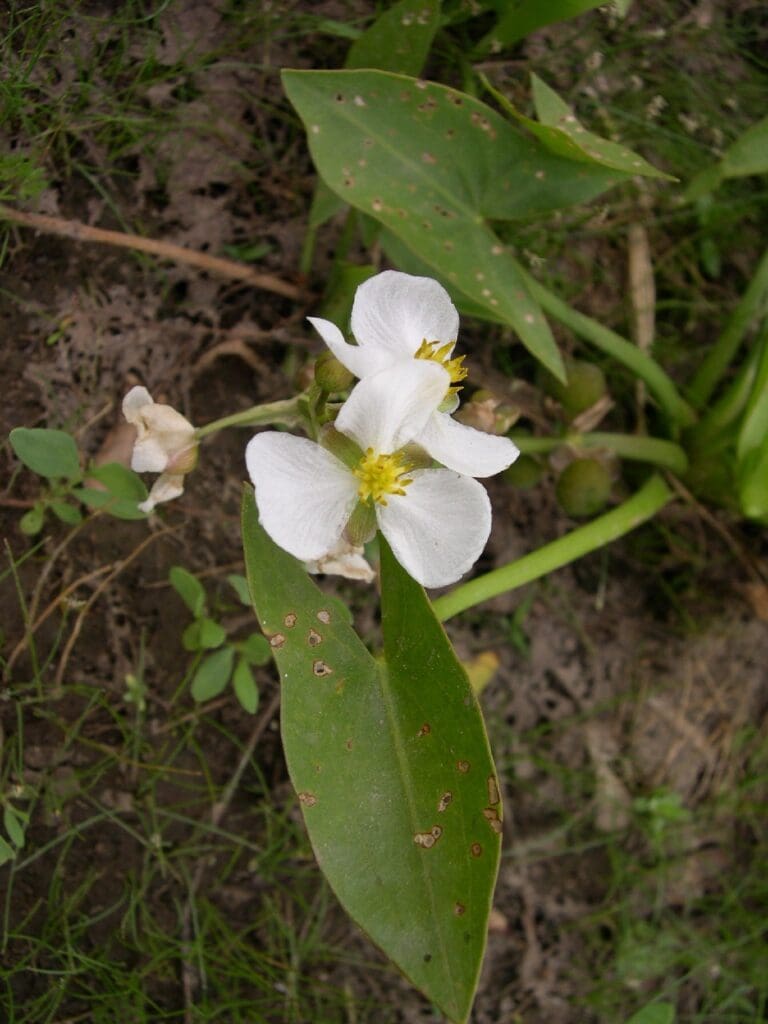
<point x="165" y="443"/>
<point x="398" y="318"/>
<point x="435" y="520"/>
<point x="345" y="560"/>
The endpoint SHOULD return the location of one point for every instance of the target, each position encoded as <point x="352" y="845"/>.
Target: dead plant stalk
<point x="165" y="250"/>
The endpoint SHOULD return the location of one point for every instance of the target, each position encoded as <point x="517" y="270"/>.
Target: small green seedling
<point x="53" y="455"/>
<point x="15" y="823"/>
<point x="221" y="659"/>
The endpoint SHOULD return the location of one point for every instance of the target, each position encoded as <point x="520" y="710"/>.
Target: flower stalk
<point x="654" y="450"/>
<point x="287" y="412"/>
<point x="652" y="496"/>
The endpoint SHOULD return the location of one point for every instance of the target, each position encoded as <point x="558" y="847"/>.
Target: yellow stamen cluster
<point x="380" y="475"/>
<point x="440" y="354"/>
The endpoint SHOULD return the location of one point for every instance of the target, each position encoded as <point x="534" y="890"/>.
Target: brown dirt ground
<point x="615" y="689"/>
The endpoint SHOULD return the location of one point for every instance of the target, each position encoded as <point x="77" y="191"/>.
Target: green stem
<point x="652" y="496"/>
<point x="732" y="402"/>
<point x="654" y="450"/>
<point x="718" y="359"/>
<point x="608" y="341"/>
<point x="286" y="412"/>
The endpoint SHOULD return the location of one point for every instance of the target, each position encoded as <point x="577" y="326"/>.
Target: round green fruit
<point x="524" y="472"/>
<point x="583" y="488"/>
<point x="585" y="386"/>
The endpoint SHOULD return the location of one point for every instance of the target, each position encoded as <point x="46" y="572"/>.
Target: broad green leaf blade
<point x="14" y="825"/>
<point x="433" y="165"/>
<point x="240" y="585"/>
<point x="245" y="687"/>
<point x="67" y="513"/>
<point x="203" y="634"/>
<point x="212" y="674"/>
<point x="399" y="39"/>
<point x="562" y="133"/>
<point x="453" y="783"/>
<point x="33" y="521"/>
<point x="518" y="18"/>
<point x="255" y="648"/>
<point x="51" y="453"/>
<point x="123" y="490"/>
<point x="120" y="481"/>
<point x="392" y="772"/>
<point x="654" y="1013"/>
<point x="189" y="588"/>
<point x="6" y="852"/>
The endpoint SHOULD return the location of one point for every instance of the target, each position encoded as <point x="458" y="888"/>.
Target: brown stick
<point x="165" y="250"/>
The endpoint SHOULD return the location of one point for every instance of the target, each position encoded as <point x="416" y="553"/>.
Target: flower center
<point x="380" y="475"/>
<point x="440" y="354"/>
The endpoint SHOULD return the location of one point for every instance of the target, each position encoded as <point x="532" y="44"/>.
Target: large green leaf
<point x="391" y="765"/>
<point x="562" y="133"/>
<point x="399" y="39"/>
<point x="518" y="18"/>
<point x="434" y="165"/>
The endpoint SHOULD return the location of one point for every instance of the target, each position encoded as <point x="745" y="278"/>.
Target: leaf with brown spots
<point x="440" y="167"/>
<point x="372" y="749"/>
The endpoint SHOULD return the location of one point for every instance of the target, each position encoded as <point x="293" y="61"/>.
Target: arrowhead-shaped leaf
<point x="434" y="165"/>
<point x="391" y="765"/>
<point x="561" y="132"/>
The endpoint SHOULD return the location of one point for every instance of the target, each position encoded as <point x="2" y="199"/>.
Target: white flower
<point x="435" y="520"/>
<point x="165" y="443"/>
<point x="397" y="317"/>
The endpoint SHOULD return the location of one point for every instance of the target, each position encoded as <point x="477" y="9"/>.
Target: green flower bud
<point x="583" y="488"/>
<point x="330" y="374"/>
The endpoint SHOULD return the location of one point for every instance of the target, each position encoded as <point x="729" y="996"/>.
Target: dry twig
<point x="165" y="250"/>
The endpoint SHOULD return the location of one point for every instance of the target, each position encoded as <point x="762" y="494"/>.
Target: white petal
<point x="150" y="455"/>
<point x="304" y="494"/>
<point x="136" y="399"/>
<point x="164" y="419"/>
<point x="358" y="360"/>
<point x="468" y="451"/>
<point x="165" y="488"/>
<point x="389" y="409"/>
<point x="344" y="560"/>
<point x="439" y="527"/>
<point x="396" y="312"/>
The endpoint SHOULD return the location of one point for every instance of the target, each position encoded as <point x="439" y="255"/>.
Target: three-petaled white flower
<point x="435" y="520"/>
<point x="398" y="317"/>
<point x="165" y="443"/>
